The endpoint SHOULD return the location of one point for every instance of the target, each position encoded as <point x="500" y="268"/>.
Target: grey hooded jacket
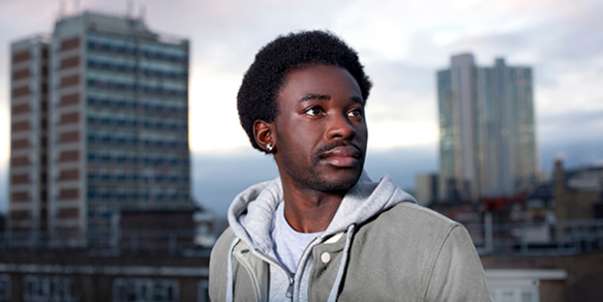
<point x="380" y="246"/>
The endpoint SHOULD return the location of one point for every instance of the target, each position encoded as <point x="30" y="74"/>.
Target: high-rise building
<point x="28" y="205"/>
<point x="487" y="139"/>
<point x="115" y="124"/>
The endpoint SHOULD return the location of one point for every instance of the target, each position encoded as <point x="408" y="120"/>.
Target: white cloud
<point x="213" y="120"/>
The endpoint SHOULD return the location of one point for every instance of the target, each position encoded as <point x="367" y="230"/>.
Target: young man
<point x="324" y="231"/>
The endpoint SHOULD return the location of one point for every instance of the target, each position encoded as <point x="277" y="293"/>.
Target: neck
<point x="309" y="211"/>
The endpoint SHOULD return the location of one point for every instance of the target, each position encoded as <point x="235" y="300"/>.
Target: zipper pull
<point x="290" y="288"/>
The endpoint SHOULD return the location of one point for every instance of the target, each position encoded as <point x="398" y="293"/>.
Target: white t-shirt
<point x="289" y="244"/>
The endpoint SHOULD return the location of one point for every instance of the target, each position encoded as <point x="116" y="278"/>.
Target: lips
<point x="342" y="156"/>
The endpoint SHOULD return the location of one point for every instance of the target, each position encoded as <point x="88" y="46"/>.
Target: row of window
<point x="48" y="288"/>
<point x="134" y="50"/>
<point x="132" y="177"/>
<point x="132" y="68"/>
<point x="127" y="104"/>
<point x="146" y="160"/>
<point x="136" y="96"/>
<point x="144" y="289"/>
<point x="124" y="122"/>
<point x="124" y="289"/>
<point x="100" y="195"/>
<point x="156" y="90"/>
<point x="121" y="78"/>
<point x="134" y="141"/>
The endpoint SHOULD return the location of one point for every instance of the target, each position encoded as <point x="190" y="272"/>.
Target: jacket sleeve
<point x="457" y="274"/>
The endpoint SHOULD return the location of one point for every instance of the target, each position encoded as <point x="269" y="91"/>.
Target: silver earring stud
<point x="269" y="147"/>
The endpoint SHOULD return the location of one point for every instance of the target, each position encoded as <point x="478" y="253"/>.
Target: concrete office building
<point x="487" y="139"/>
<point x="117" y="124"/>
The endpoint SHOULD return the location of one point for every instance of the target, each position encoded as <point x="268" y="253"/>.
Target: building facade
<point x="117" y="124"/>
<point x="28" y="205"/>
<point x="487" y="135"/>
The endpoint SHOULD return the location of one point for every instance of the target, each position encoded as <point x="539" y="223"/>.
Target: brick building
<point x="99" y="122"/>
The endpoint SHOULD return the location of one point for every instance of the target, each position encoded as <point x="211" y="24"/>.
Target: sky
<point x="401" y="43"/>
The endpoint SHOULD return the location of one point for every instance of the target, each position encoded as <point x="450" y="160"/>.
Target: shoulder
<point x="408" y="227"/>
<point x="418" y="231"/>
<point x="410" y="240"/>
<point x="426" y="213"/>
<point x="446" y="248"/>
<point x="411" y="218"/>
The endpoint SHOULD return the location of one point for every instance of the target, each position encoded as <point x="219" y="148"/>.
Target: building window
<point x="145" y="289"/>
<point x="47" y="288"/>
<point x="5" y="289"/>
<point x="203" y="291"/>
<point x="516" y="294"/>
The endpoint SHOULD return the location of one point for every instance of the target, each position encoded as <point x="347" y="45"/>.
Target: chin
<point x="340" y="182"/>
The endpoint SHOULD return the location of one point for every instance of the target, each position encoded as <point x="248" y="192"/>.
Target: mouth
<point x="347" y="156"/>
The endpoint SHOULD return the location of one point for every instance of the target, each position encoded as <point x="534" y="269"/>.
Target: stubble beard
<point x="314" y="180"/>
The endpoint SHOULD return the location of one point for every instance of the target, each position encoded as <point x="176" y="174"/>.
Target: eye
<point x="314" y="111"/>
<point x="356" y="113"/>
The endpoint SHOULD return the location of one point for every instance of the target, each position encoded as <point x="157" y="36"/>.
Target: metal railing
<point x="562" y="238"/>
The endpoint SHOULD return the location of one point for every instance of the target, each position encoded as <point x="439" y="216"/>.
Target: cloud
<point x="570" y="126"/>
<point x="565" y="37"/>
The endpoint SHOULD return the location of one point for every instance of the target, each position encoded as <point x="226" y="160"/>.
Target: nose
<point x="340" y="127"/>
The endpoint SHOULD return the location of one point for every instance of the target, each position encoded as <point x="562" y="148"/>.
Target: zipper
<point x="290" y="288"/>
<point x="294" y="279"/>
<point x="290" y="277"/>
<point x="300" y="271"/>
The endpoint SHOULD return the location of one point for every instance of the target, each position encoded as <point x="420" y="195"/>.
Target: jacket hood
<point x="250" y="214"/>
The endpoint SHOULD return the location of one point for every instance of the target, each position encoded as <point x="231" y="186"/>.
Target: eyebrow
<point x="326" y="97"/>
<point x="314" y="96"/>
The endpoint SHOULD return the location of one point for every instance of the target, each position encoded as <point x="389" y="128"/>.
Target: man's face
<point x="320" y="129"/>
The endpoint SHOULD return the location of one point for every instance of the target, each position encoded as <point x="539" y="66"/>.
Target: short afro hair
<point x="256" y="99"/>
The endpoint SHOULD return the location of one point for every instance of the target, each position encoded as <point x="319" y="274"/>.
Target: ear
<point x="263" y="135"/>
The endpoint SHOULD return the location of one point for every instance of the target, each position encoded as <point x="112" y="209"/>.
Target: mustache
<point x="320" y="153"/>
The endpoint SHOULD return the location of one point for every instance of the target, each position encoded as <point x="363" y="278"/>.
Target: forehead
<point x="328" y="80"/>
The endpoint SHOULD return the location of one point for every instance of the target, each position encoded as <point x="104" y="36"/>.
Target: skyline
<point x="555" y="38"/>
